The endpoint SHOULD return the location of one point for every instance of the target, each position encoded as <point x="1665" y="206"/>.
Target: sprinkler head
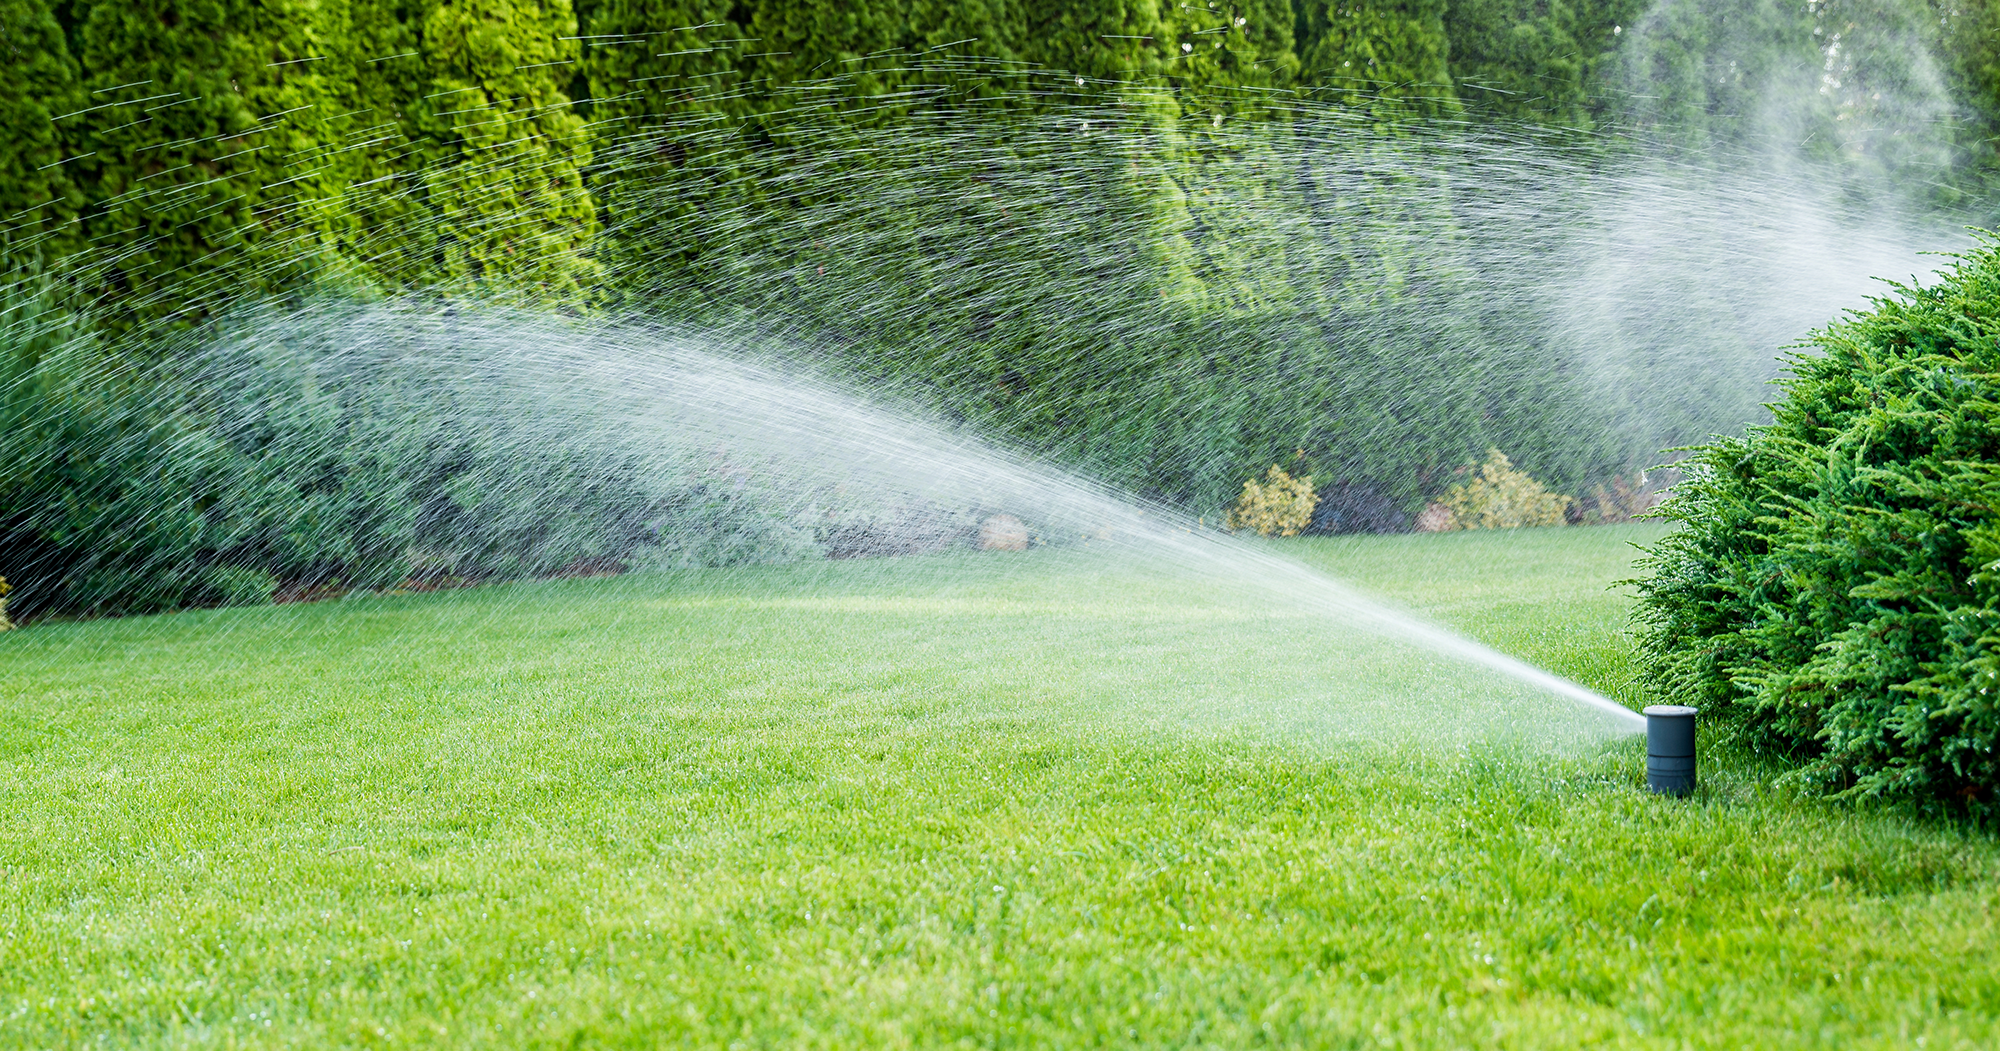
<point x="1670" y="749"/>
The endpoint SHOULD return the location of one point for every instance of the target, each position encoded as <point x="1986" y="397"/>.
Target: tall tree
<point x="196" y="151"/>
<point x="467" y="155"/>
<point x="1390" y="56"/>
<point x="37" y="198"/>
<point x="1546" y="61"/>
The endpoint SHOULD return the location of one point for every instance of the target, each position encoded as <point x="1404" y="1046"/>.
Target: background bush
<point x="1496" y="496"/>
<point x="103" y="490"/>
<point x="1279" y="505"/>
<point x="1833" y="593"/>
<point x="292" y="454"/>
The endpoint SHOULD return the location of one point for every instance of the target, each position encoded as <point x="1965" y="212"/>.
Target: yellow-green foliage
<point x="4" y="589"/>
<point x="1281" y="504"/>
<point x="1500" y="497"/>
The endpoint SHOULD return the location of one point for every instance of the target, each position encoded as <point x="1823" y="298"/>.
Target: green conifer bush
<point x="1388" y="57"/>
<point x="1833" y="592"/>
<point x="461" y="151"/>
<point x="199" y="139"/>
<point x="1548" y="61"/>
<point x="36" y="195"/>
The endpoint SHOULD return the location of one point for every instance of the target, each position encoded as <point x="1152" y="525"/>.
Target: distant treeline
<point x="728" y="164"/>
<point x="393" y="134"/>
<point x="195" y="123"/>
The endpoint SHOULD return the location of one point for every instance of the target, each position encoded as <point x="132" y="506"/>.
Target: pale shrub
<point x="1280" y="505"/>
<point x="1500" y="497"/>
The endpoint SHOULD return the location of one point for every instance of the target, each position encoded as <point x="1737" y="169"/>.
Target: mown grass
<point x="902" y="804"/>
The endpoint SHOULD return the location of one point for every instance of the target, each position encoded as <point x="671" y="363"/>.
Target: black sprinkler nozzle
<point x="1670" y="749"/>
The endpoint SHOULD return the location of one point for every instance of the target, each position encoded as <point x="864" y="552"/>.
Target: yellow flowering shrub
<point x="4" y="589"/>
<point x="1280" y="505"/>
<point x="1500" y="497"/>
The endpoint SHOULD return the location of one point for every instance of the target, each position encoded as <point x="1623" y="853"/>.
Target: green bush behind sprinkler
<point x="1833" y="593"/>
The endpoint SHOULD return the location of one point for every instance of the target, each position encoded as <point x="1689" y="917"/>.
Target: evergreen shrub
<point x="104" y="492"/>
<point x="1833" y="591"/>
<point x="273" y="458"/>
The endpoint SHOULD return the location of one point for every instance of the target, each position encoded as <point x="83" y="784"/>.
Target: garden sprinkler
<point x="1670" y="749"/>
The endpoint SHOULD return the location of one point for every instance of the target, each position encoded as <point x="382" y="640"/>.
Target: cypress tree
<point x="236" y="149"/>
<point x="467" y="156"/>
<point x="1213" y="47"/>
<point x="195" y="153"/>
<point x="1548" y="61"/>
<point x="37" y="200"/>
<point x="1387" y="55"/>
<point x="506" y="187"/>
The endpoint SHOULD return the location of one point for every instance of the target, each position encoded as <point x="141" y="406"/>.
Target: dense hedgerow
<point x="272" y="459"/>
<point x="1833" y="592"/>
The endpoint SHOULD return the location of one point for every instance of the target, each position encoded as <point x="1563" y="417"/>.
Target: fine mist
<point x="1391" y="305"/>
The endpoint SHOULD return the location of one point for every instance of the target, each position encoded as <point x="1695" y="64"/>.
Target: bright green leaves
<point x="238" y="147"/>
<point x="1833" y="591"/>
<point x="471" y="155"/>
<point x="1388" y="56"/>
<point x="506" y="186"/>
<point x="37" y="197"/>
<point x="201" y="129"/>
<point x="1538" y="60"/>
<point x="1228" y="45"/>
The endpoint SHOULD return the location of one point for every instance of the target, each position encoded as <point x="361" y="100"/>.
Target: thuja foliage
<point x="1833" y="593"/>
<point x="1538" y="60"/>
<point x="1387" y="55"/>
<point x="458" y="119"/>
<point x="36" y="196"/>
<point x="257" y="141"/>
<point x="230" y="150"/>
<point x="191" y="125"/>
<point x="1244" y="288"/>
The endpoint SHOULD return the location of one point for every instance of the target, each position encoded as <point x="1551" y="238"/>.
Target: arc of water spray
<point x="672" y="387"/>
<point x="826" y="416"/>
<point x="1288" y="579"/>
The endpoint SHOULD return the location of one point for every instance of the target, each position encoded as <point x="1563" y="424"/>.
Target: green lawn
<point x="979" y="800"/>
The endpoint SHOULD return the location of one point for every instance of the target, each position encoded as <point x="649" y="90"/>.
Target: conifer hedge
<point x="195" y="146"/>
<point x="1538" y="60"/>
<point x="1136" y="287"/>
<point x="37" y="199"/>
<point x="1389" y="55"/>
<point x="1833" y="593"/>
<point x="469" y="153"/>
